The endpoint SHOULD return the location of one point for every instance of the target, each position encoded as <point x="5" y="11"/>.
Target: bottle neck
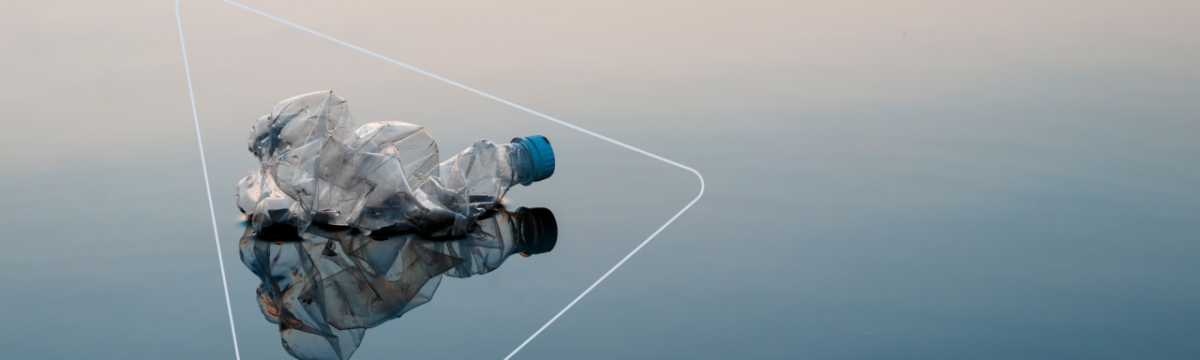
<point x="521" y="160"/>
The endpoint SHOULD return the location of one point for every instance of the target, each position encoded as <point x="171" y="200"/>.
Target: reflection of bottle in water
<point x="384" y="174"/>
<point x="527" y="231"/>
<point x="325" y="286"/>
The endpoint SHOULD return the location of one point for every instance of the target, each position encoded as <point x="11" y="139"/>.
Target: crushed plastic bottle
<point x="384" y="174"/>
<point x="324" y="286"/>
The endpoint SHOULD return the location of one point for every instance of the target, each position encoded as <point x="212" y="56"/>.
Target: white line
<point x="506" y="102"/>
<point x="614" y="268"/>
<point x="203" y="165"/>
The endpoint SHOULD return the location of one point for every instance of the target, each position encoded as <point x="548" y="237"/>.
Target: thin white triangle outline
<point x="212" y="213"/>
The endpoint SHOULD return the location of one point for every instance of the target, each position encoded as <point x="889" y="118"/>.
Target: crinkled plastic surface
<point x="383" y="174"/>
<point x="325" y="286"/>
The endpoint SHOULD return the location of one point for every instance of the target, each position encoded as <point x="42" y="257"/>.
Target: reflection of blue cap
<point x="542" y="155"/>
<point x="539" y="231"/>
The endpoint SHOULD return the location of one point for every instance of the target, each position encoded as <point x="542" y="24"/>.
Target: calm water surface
<point x="904" y="180"/>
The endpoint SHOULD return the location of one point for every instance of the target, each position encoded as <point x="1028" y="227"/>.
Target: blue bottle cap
<point x="542" y="155"/>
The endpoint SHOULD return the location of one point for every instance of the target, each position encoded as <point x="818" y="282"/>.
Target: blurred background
<point x="901" y="180"/>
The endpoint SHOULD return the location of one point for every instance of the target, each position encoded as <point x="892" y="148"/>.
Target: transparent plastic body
<point x="326" y="286"/>
<point x="384" y="174"/>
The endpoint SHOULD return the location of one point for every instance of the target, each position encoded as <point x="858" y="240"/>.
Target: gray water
<point x="883" y="179"/>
